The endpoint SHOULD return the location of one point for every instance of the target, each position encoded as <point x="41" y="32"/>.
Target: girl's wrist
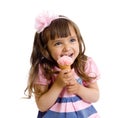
<point x="58" y="85"/>
<point x="78" y="89"/>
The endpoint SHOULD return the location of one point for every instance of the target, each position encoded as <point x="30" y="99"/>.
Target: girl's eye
<point x="58" y="43"/>
<point x="72" y="40"/>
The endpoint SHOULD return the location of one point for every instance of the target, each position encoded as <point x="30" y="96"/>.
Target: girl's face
<point x="67" y="46"/>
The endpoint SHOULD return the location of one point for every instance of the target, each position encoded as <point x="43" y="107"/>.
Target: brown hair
<point x="40" y="54"/>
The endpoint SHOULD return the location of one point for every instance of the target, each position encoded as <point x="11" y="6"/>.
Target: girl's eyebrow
<point x="73" y="36"/>
<point x="60" y="39"/>
<point x="56" y="40"/>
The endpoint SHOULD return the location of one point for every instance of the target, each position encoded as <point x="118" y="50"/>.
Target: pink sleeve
<point x="91" y="69"/>
<point x="41" y="78"/>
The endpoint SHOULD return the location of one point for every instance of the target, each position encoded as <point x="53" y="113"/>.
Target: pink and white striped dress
<point x="71" y="106"/>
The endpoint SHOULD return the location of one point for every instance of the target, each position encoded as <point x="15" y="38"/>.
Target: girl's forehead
<point x="60" y="28"/>
<point x="64" y="33"/>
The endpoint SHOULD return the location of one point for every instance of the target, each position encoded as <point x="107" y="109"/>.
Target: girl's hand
<point x="73" y="87"/>
<point x="64" y="77"/>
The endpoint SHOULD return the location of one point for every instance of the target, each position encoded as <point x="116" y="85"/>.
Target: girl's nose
<point x="66" y="47"/>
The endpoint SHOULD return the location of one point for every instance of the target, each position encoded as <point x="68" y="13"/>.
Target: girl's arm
<point x="49" y="96"/>
<point x="88" y="94"/>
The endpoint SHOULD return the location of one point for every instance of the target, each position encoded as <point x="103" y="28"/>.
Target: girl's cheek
<point x="57" y="55"/>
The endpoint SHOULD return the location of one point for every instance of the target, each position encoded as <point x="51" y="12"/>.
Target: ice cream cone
<point x="65" y="67"/>
<point x="65" y="62"/>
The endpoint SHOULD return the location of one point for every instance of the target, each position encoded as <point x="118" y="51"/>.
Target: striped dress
<point x="71" y="106"/>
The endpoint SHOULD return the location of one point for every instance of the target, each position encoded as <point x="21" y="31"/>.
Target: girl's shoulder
<point x="90" y="59"/>
<point x="91" y="67"/>
<point x="41" y="79"/>
<point x="92" y="70"/>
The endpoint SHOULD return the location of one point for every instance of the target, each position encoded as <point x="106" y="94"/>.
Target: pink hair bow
<point x="44" y="20"/>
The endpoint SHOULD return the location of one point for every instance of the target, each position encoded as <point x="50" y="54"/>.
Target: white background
<point x="99" y="22"/>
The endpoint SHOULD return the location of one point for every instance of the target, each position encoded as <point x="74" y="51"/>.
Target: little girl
<point x="68" y="92"/>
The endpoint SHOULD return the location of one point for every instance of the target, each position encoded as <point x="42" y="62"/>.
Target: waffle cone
<point x="65" y="67"/>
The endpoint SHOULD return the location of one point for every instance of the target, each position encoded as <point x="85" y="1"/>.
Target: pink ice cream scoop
<point x="65" y="62"/>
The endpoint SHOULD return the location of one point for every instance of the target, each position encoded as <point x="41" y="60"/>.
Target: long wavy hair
<point x="40" y="55"/>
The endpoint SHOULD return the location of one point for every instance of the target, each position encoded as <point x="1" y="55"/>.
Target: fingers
<point x="65" y="76"/>
<point x="66" y="71"/>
